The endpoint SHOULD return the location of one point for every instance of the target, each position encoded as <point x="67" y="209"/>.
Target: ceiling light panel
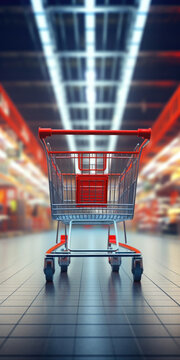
<point x="47" y="42"/>
<point x="128" y="68"/>
<point x="90" y="65"/>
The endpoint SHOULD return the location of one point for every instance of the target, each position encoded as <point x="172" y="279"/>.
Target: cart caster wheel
<point x="49" y="275"/>
<point x="115" y="263"/>
<point x="64" y="268"/>
<point x="64" y="263"/>
<point x="115" y="268"/>
<point x="137" y="276"/>
<point x="137" y="269"/>
<point x="49" y="269"/>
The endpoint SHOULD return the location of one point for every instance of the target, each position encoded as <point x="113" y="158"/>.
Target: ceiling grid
<point x="114" y="74"/>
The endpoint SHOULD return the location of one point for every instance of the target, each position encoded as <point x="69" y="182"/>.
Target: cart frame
<point x="72" y="213"/>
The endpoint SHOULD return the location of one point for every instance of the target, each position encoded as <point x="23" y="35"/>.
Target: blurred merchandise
<point x="158" y="207"/>
<point x="24" y="202"/>
<point x="158" y="191"/>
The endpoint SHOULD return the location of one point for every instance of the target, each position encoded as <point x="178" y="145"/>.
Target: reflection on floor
<point x="90" y="312"/>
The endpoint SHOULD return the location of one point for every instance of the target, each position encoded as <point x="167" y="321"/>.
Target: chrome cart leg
<point x="66" y="239"/>
<point x="57" y="232"/>
<point x="137" y="268"/>
<point x="65" y="260"/>
<point x="49" y="269"/>
<point x="108" y="244"/>
<point x="125" y="236"/>
<point x="115" y="261"/>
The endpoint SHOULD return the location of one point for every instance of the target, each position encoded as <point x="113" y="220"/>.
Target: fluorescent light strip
<point x="128" y="68"/>
<point x="90" y="65"/>
<point x="53" y="66"/>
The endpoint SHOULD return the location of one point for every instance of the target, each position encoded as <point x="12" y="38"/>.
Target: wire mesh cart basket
<point x="92" y="187"/>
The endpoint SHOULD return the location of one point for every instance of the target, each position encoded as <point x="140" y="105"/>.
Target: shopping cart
<point x="92" y="187"/>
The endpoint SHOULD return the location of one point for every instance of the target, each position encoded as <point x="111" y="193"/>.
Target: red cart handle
<point x="44" y="132"/>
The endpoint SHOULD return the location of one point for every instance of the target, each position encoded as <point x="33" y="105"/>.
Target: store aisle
<point x="89" y="312"/>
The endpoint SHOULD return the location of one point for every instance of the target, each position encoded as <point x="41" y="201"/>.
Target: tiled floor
<point x="89" y="313"/>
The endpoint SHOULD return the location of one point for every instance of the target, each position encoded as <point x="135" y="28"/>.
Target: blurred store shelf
<point x="24" y="203"/>
<point x="158" y="193"/>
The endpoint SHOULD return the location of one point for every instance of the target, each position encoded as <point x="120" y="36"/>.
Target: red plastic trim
<point x="92" y="152"/>
<point x="86" y="194"/>
<point x="112" y="240"/>
<point x="44" y="132"/>
<point x="57" y="245"/>
<point x="130" y="248"/>
<point x="74" y="174"/>
<point x="144" y="133"/>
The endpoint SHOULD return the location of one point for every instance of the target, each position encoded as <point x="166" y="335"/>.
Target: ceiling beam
<point x="158" y="9"/>
<point x="70" y="9"/>
<point x="96" y="9"/>
<point x="105" y="122"/>
<point x="136" y="83"/>
<point x="113" y="9"/>
<point x="98" y="83"/>
<point x="106" y="105"/>
<point x="80" y="105"/>
<point x="97" y="54"/>
<point x="137" y="105"/>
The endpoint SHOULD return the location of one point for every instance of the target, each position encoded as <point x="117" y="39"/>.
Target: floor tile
<point x="93" y="346"/>
<point x="92" y="330"/>
<point x="5" y="330"/>
<point x="170" y="319"/>
<point x="14" y="310"/>
<point x="90" y="313"/>
<point x="57" y="310"/>
<point x="9" y="319"/>
<point x="159" y="346"/>
<point x="44" y="331"/>
<point x="126" y="347"/>
<point x="120" y="331"/>
<point x="149" y="330"/>
<point x="34" y="346"/>
<point x="174" y="330"/>
<point x="143" y="319"/>
<point x="49" y="319"/>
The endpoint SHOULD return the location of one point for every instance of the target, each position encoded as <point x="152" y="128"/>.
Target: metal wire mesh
<point x="92" y="186"/>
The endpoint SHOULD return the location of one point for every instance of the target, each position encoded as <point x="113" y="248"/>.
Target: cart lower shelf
<point x="113" y="254"/>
